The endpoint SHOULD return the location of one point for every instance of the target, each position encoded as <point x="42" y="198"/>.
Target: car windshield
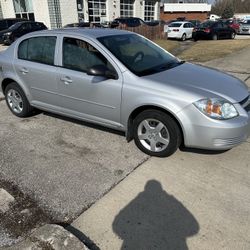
<point x="206" y="24"/>
<point x="174" y="25"/>
<point x="138" y="54"/>
<point x="14" y="26"/>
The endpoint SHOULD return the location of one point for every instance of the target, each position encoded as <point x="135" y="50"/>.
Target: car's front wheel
<point x="17" y="101"/>
<point x="156" y="133"/>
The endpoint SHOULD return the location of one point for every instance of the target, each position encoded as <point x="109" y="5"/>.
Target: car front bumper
<point x="6" y="40"/>
<point x="203" y="132"/>
<point x="244" y="31"/>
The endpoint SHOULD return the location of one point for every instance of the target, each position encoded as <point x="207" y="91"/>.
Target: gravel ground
<point x="6" y="239"/>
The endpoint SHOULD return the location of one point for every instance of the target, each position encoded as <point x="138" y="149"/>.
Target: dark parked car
<point x="87" y="25"/>
<point x="213" y="30"/>
<point x="81" y="25"/>
<point x="127" y="21"/>
<point x="6" y="23"/>
<point x="19" y="29"/>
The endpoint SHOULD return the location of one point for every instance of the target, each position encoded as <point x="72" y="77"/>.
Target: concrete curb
<point x="49" y="237"/>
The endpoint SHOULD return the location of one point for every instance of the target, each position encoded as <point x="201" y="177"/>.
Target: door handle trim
<point x="66" y="80"/>
<point x="24" y="70"/>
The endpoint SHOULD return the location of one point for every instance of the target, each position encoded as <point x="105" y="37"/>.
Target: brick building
<point x="189" y="9"/>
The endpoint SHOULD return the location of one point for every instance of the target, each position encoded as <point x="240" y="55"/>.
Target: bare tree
<point x="237" y="6"/>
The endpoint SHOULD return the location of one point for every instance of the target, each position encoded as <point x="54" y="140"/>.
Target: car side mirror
<point x="102" y="70"/>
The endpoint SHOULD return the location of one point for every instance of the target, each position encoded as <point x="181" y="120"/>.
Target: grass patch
<point x="168" y="45"/>
<point x="203" y="51"/>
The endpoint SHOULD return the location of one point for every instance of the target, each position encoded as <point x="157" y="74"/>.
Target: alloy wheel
<point x="15" y="101"/>
<point x="153" y="135"/>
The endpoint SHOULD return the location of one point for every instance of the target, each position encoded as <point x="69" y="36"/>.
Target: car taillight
<point x="207" y="30"/>
<point x="176" y="30"/>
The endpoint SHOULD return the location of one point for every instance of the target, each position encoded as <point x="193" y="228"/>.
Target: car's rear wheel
<point x="156" y="133"/>
<point x="184" y="37"/>
<point x="17" y="101"/>
<point x="215" y="37"/>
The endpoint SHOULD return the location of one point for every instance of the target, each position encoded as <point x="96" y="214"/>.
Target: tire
<point x="156" y="133"/>
<point x="215" y="37"/>
<point x="17" y="101"/>
<point x="233" y="35"/>
<point x="184" y="37"/>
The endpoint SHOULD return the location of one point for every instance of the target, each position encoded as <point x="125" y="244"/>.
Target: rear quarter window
<point x="38" y="49"/>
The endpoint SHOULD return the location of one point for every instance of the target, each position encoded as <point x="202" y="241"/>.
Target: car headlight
<point x="217" y="108"/>
<point x="7" y="34"/>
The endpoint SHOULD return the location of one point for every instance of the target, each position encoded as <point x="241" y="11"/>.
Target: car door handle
<point x="24" y="71"/>
<point x="66" y="80"/>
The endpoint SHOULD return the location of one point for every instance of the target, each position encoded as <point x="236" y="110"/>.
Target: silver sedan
<point x="123" y="81"/>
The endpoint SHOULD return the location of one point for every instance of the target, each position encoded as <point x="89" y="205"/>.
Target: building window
<point x="149" y="11"/>
<point x="80" y="10"/>
<point x="1" y="12"/>
<point x="127" y="8"/>
<point x="97" y="10"/>
<point x="55" y="14"/>
<point x="24" y="9"/>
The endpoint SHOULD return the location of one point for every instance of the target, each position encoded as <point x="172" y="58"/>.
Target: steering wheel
<point x="138" y="56"/>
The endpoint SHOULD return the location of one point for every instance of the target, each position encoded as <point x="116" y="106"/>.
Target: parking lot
<point x="65" y="166"/>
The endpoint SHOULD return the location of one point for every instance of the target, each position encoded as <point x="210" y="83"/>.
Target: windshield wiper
<point x="160" y="68"/>
<point x="171" y="65"/>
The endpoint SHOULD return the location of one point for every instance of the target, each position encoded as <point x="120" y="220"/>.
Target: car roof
<point x="90" y="32"/>
<point x="21" y="22"/>
<point x="181" y="22"/>
<point x="4" y="19"/>
<point x="129" y="17"/>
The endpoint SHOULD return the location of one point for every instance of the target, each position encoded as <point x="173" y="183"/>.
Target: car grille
<point x="246" y="103"/>
<point x="229" y="142"/>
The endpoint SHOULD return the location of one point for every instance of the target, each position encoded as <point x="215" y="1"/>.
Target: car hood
<point x="202" y="81"/>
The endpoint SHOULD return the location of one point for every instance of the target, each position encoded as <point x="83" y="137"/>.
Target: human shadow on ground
<point x="155" y="220"/>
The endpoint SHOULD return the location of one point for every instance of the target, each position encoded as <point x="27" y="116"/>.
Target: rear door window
<point x="38" y="49"/>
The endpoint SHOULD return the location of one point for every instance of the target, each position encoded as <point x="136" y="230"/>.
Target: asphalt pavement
<point x="63" y="164"/>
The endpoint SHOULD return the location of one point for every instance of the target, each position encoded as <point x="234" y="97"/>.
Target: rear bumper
<point x="176" y="35"/>
<point x="202" y="35"/>
<point x="203" y="132"/>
